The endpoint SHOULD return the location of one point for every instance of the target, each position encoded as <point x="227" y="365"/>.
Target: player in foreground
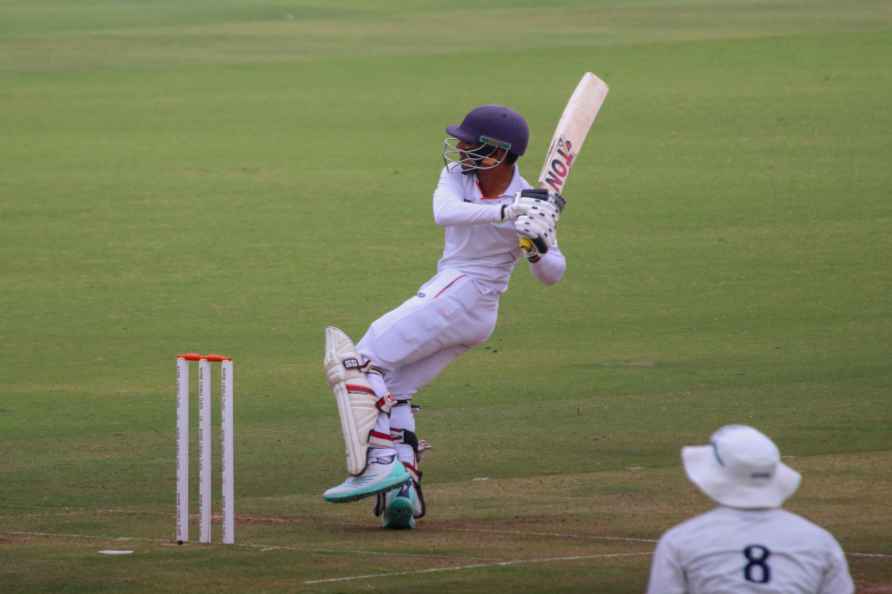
<point x="485" y="208"/>
<point x="748" y="543"/>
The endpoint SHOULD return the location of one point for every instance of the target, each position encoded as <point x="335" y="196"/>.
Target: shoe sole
<point x="398" y="515"/>
<point x="386" y="485"/>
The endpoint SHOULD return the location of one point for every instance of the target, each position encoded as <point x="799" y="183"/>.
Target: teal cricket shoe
<point x="383" y="473"/>
<point x="398" y="508"/>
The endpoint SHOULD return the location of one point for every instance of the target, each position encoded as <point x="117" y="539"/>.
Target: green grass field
<point x="232" y="176"/>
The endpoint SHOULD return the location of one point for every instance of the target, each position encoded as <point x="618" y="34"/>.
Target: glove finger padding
<point x="543" y="195"/>
<point x="545" y="211"/>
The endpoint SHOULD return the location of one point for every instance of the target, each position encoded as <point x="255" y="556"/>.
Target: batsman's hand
<point x="517" y="208"/>
<point x="545" y="196"/>
<point x="534" y="201"/>
<point x="540" y="232"/>
<point x="544" y="205"/>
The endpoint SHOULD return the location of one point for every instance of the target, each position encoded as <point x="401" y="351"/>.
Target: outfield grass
<point x="233" y="176"/>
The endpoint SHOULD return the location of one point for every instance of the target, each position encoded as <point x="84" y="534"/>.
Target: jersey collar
<point x="513" y="188"/>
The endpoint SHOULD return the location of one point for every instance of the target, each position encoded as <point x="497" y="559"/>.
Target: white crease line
<point x="474" y="566"/>
<point x="614" y="538"/>
<point x="876" y="555"/>
<point x="260" y="547"/>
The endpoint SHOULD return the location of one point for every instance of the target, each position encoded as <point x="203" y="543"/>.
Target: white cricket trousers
<point x="416" y="341"/>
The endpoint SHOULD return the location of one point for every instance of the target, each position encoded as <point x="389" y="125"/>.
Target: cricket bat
<point x="568" y="137"/>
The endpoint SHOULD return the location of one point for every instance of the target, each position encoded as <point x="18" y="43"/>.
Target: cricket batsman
<point x="487" y="209"/>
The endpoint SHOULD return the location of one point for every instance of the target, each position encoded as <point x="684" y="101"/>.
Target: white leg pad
<point x="358" y="406"/>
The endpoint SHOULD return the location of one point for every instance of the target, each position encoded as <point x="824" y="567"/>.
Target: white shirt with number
<point x="734" y="551"/>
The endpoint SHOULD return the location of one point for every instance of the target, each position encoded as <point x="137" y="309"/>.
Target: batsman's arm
<point x="451" y="209"/>
<point x="549" y="268"/>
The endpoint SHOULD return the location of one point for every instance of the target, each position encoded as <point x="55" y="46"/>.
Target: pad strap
<point x="383" y="404"/>
<point x="369" y="368"/>
<point x="414" y="472"/>
<point x="405" y="436"/>
<point x="379" y="440"/>
<point x="386" y="402"/>
<point x="410" y="438"/>
<point x="416" y="408"/>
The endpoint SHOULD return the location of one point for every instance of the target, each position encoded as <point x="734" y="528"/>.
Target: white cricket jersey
<point x="476" y="243"/>
<point x="735" y="551"/>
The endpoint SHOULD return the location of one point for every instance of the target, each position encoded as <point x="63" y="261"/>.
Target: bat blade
<point x="572" y="128"/>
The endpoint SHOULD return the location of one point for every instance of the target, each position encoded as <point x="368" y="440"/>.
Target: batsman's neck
<point x="494" y="182"/>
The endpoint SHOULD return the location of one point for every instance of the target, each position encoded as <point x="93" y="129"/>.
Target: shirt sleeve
<point x="666" y="574"/>
<point x="837" y="579"/>
<point x="550" y="268"/>
<point x="451" y="209"/>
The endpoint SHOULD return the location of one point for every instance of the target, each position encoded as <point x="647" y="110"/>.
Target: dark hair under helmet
<point x="495" y="125"/>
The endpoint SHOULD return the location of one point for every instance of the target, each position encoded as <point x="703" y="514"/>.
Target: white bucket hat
<point x="741" y="468"/>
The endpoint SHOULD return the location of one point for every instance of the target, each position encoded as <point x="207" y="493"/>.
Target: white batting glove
<point x="518" y="208"/>
<point x="534" y="201"/>
<point x="547" y="196"/>
<point x="545" y="211"/>
<point x="539" y="231"/>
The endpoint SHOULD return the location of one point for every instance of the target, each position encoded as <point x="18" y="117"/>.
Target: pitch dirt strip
<point x="273" y="547"/>
<point x="252" y="546"/>
<point x="474" y="566"/>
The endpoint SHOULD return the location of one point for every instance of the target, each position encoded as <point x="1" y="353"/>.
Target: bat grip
<point x="526" y="243"/>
